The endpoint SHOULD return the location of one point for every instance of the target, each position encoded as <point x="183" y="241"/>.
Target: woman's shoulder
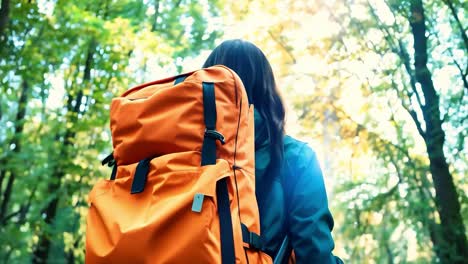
<point x="302" y="166"/>
<point x="297" y="151"/>
<point x="301" y="163"/>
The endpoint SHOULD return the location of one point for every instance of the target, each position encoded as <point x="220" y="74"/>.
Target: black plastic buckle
<point x="140" y="176"/>
<point x="109" y="160"/>
<point x="255" y="241"/>
<point x="212" y="133"/>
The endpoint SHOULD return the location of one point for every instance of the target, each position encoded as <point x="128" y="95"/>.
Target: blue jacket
<point x="293" y="202"/>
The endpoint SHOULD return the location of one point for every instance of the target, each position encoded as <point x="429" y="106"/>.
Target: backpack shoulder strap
<point x="287" y="172"/>
<point x="286" y="249"/>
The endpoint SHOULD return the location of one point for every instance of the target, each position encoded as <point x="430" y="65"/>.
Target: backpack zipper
<point x="134" y="99"/>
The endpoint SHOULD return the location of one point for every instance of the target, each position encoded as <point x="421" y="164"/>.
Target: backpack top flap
<point x="167" y="116"/>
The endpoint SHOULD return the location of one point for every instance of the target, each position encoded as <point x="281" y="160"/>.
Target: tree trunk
<point x="19" y="127"/>
<point x="4" y="17"/>
<point x="41" y="253"/>
<point x="453" y="247"/>
<point x="156" y="16"/>
<point x="42" y="249"/>
<point x="2" y="176"/>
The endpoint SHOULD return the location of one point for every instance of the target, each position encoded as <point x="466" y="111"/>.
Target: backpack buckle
<point x="212" y="133"/>
<point x="109" y="160"/>
<point x="255" y="241"/>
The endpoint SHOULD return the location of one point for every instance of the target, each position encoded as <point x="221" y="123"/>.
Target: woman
<point x="287" y="171"/>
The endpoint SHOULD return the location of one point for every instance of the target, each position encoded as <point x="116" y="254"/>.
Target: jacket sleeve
<point x="310" y="221"/>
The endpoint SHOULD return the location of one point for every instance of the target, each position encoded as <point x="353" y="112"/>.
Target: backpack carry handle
<point x="175" y="79"/>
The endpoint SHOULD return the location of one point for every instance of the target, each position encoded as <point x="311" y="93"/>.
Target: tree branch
<point x="283" y="45"/>
<point x="384" y="28"/>
<point x="401" y="51"/>
<point x="8" y="217"/>
<point x="404" y="56"/>
<point x="462" y="74"/>
<point x="411" y="112"/>
<point x="22" y="211"/>
<point x="449" y="3"/>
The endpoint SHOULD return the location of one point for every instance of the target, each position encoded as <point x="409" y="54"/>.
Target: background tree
<point x="61" y="63"/>
<point x="381" y="87"/>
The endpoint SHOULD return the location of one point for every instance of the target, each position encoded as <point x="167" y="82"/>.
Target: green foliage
<point x="61" y="63"/>
<point x="368" y="112"/>
<point x="351" y="86"/>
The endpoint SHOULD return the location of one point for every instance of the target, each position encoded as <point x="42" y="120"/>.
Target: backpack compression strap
<point x="211" y="135"/>
<point x="110" y="161"/>
<point x="209" y="158"/>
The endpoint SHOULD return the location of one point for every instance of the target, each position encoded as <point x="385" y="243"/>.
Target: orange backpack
<point x="182" y="188"/>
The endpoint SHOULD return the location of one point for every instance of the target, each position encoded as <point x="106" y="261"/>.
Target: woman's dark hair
<point x="249" y="62"/>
